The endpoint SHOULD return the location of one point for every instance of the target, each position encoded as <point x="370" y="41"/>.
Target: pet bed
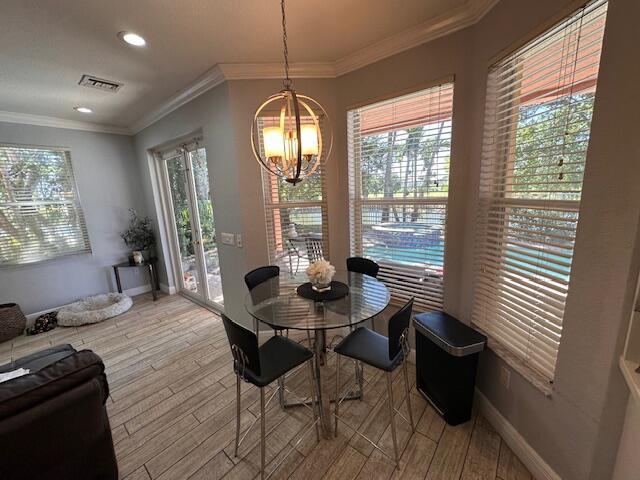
<point x="94" y="309"/>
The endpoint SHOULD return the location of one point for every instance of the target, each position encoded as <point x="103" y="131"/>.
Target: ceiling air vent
<point x="100" y="83"/>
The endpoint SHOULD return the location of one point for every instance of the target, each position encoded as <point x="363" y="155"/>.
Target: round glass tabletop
<point x="276" y="303"/>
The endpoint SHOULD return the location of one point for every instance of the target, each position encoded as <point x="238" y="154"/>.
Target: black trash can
<point x="447" y="354"/>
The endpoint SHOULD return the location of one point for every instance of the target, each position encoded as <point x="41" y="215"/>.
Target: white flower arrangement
<point x="320" y="273"/>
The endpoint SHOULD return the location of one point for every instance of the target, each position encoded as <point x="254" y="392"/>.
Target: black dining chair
<point x="363" y="265"/>
<point x="261" y="274"/>
<point x="257" y="276"/>
<point x="366" y="267"/>
<point x="252" y="279"/>
<point x="261" y="366"/>
<point x="383" y="353"/>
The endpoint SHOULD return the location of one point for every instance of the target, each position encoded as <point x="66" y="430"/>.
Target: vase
<point x="323" y="285"/>
<point x="137" y="257"/>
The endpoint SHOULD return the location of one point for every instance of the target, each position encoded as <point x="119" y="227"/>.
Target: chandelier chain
<point x="287" y="81"/>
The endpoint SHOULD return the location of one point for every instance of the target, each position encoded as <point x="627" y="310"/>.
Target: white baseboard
<point x="132" y="292"/>
<point x="525" y="452"/>
<point x="168" y="289"/>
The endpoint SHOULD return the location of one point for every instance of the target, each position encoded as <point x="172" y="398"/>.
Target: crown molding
<point x="55" y="122"/>
<point x="205" y="82"/>
<point x="461" y="17"/>
<point x="261" y="71"/>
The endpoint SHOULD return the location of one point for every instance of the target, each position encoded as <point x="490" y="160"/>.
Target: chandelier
<point x="291" y="134"/>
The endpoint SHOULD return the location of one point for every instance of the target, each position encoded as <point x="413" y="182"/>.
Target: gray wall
<point x="210" y="115"/>
<point x="223" y="117"/>
<point x="108" y="177"/>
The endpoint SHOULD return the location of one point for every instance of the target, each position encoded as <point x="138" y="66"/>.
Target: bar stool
<point x="383" y="353"/>
<point x="252" y="279"/>
<point x="363" y="265"/>
<point x="261" y="366"/>
<point x="370" y="268"/>
<point x="261" y="274"/>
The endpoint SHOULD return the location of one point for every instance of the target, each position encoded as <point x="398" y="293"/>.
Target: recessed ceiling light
<point x="132" y="39"/>
<point x="83" y="109"/>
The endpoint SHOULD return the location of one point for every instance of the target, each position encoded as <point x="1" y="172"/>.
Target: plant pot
<point x="138" y="258"/>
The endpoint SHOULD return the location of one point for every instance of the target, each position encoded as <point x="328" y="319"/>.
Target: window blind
<point x="296" y="216"/>
<point x="399" y="152"/>
<point x="191" y="145"/>
<point x="537" y="124"/>
<point x="40" y="213"/>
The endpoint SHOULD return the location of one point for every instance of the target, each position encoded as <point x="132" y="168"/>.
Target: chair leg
<point x="235" y="453"/>
<point x="281" y="391"/>
<point x="262" y="435"/>
<point x="392" y="414"/>
<point x="256" y="328"/>
<point x="408" y="393"/>
<point x="312" y="381"/>
<point x="337" y="394"/>
<point x="360" y="379"/>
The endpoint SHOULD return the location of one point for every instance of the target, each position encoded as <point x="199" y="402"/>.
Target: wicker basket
<point x="12" y="321"/>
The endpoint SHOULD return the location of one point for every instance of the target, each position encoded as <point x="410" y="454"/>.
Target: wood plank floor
<point x="172" y="410"/>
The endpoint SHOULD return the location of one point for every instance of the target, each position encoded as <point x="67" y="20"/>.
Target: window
<point x="399" y="153"/>
<point x="40" y="213"/>
<point x="537" y="124"/>
<point x="296" y="217"/>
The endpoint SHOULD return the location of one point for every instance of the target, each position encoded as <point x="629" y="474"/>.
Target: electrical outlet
<point x="239" y="240"/>
<point x="228" y="238"/>
<point x="505" y="377"/>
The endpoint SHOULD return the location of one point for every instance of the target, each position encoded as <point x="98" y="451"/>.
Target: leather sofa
<point x="53" y="421"/>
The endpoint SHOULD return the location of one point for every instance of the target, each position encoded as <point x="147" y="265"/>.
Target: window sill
<point x="631" y="376"/>
<point x="53" y="260"/>
<point x="529" y="374"/>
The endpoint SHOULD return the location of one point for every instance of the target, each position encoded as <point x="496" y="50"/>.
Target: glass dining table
<point x="276" y="303"/>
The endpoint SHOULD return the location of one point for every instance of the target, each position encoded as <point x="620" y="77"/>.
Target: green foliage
<point x="550" y="148"/>
<point x="407" y="163"/>
<point x="181" y="203"/>
<point x="38" y="206"/>
<point x="139" y="235"/>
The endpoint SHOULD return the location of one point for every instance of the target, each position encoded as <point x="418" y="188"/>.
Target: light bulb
<point x="273" y="142"/>
<point x="309" y="139"/>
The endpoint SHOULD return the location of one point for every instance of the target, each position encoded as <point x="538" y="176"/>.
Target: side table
<point x="151" y="268"/>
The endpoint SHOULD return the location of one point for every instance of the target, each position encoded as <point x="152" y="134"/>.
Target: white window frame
<point x="280" y="253"/>
<point x="522" y="264"/>
<point x="425" y="283"/>
<point x="74" y="202"/>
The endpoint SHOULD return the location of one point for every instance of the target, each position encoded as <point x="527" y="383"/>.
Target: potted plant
<point x="139" y="237"/>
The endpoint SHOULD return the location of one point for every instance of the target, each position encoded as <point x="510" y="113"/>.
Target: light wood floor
<point x="172" y="410"/>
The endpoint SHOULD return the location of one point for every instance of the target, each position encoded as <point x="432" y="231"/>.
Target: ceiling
<point x="48" y="44"/>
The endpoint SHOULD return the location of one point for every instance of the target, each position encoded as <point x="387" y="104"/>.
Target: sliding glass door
<point x="190" y="217"/>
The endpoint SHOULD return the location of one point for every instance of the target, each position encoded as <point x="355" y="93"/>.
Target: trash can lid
<point x="449" y="333"/>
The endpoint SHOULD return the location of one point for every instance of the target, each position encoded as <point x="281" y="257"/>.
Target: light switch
<point x="239" y="240"/>
<point x="228" y="238"/>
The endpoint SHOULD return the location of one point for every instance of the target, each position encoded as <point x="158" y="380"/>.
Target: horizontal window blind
<point x="40" y="213"/>
<point x="190" y="145"/>
<point x="537" y="125"/>
<point x="399" y="154"/>
<point x="296" y="216"/>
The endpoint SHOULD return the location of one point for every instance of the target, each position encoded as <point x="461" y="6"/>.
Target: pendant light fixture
<point x="291" y="135"/>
